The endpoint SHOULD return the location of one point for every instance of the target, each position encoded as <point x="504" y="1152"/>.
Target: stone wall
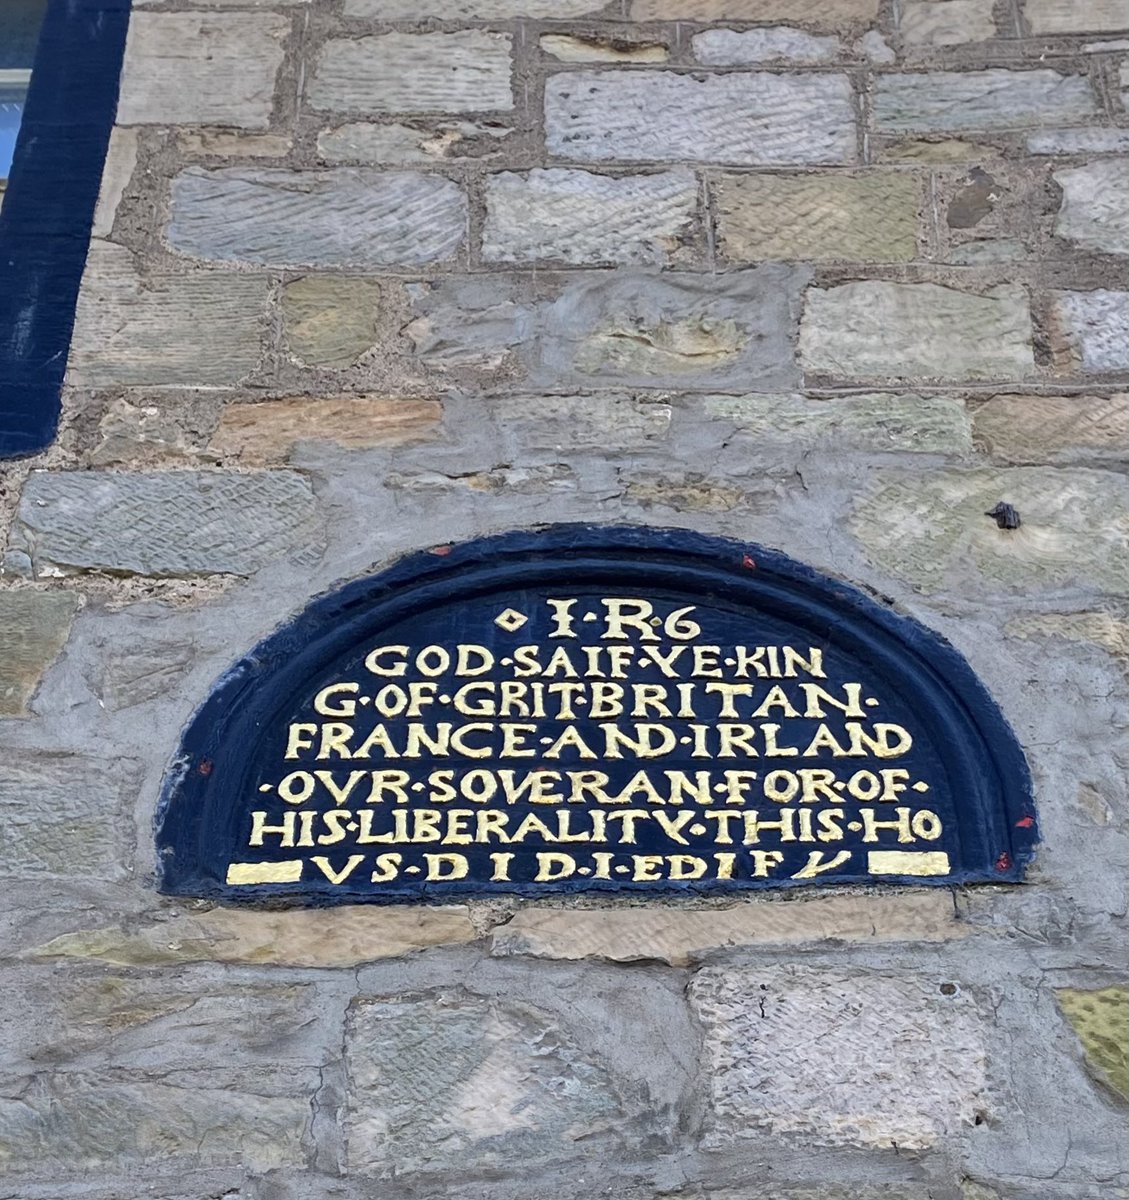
<point x="837" y="276"/>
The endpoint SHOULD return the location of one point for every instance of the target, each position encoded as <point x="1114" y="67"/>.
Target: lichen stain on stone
<point x="1100" y="1018"/>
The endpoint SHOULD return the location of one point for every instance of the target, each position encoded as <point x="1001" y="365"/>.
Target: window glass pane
<point x="19" y="31"/>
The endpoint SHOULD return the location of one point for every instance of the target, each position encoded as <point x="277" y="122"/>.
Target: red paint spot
<point x="205" y="766"/>
<point x="442" y="551"/>
<point x="1025" y="822"/>
<point x="749" y="562"/>
<point x="1003" y="863"/>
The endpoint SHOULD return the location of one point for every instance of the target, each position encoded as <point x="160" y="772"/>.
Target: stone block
<point x="1095" y="140"/>
<point x="1100" y="1018"/>
<point x="902" y="424"/>
<point x="330" y="320"/>
<point x="340" y="937"/>
<point x="879" y="330"/>
<point x="899" y="1062"/>
<point x="200" y="329"/>
<point x="1102" y="629"/>
<point x="471" y="325"/>
<point x="265" y="1037"/>
<point x="121" y="162"/>
<point x="1076" y="16"/>
<point x="1090" y="331"/>
<point x="733" y="48"/>
<point x="468" y="71"/>
<point x="34" y="626"/>
<point x="173" y="426"/>
<point x="951" y="23"/>
<point x="344" y="217"/>
<point x="675" y="330"/>
<point x="681" y="936"/>
<point x="366" y="142"/>
<point x="692" y="491"/>
<point x="815" y="14"/>
<point x="748" y="119"/>
<point x="472" y="10"/>
<point x="931" y="531"/>
<point x="258" y="434"/>
<point x="201" y="69"/>
<point x="223" y="143"/>
<point x="577" y="217"/>
<point x="1054" y="429"/>
<point x="565" y="48"/>
<point x="830" y="217"/>
<point x="66" y="815"/>
<point x="918" y="102"/>
<point x="508" y="1082"/>
<point x="1095" y="206"/>
<point x="88" y="1122"/>
<point x="171" y="523"/>
<point x="611" y="421"/>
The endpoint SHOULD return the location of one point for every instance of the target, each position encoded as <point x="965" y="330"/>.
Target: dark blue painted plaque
<point x="578" y="708"/>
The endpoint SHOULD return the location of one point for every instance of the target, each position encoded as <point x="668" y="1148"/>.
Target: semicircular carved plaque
<point x="586" y="708"/>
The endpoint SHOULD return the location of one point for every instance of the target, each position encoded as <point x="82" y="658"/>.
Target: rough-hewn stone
<point x="340" y="937"/>
<point x="893" y="423"/>
<point x="590" y="49"/>
<point x="1095" y="205"/>
<point x="731" y="48"/>
<point x="506" y="1081"/>
<point x="909" y="1060"/>
<point x="875" y="329"/>
<point x="34" y="626"/>
<point x="1076" y="16"/>
<point x="366" y="142"/>
<point x="66" y="815"/>
<point x="684" y="936"/>
<point x="950" y="23"/>
<point x="678" y="330"/>
<point x="201" y="69"/>
<point x="1090" y="330"/>
<point x="1053" y="429"/>
<point x="1095" y="140"/>
<point x="473" y="10"/>
<point x="347" y="216"/>
<point x="259" y="434"/>
<point x="820" y="14"/>
<point x="166" y="523"/>
<point x="931" y="530"/>
<point x="468" y="71"/>
<point x="121" y="161"/>
<point x="131" y="327"/>
<point x="223" y="143"/>
<point x="1103" y="629"/>
<point x="609" y="421"/>
<point x="916" y="102"/>
<point x="132" y="431"/>
<point x="84" y="1122"/>
<point x="330" y="320"/>
<point x="1100" y="1018"/>
<point x="756" y="118"/>
<point x="856" y="218"/>
<point x="578" y="217"/>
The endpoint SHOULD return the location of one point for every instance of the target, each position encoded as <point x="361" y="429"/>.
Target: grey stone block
<point x="991" y="99"/>
<point x="33" y="629"/>
<point x="747" y="119"/>
<point x="66" y="815"/>
<point x="733" y="48"/>
<point x="1095" y="206"/>
<point x="880" y="330"/>
<point x="201" y="329"/>
<point x="468" y="71"/>
<point x="340" y="217"/>
<point x="579" y="217"/>
<point x="905" y="1064"/>
<point x="201" y="69"/>
<point x="164" y="523"/>
<point x="1093" y="328"/>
